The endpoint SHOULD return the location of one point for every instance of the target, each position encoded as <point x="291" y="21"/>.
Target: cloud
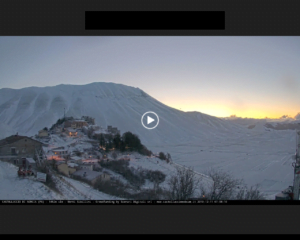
<point x="297" y="117"/>
<point x="284" y="117"/>
<point x="233" y="116"/>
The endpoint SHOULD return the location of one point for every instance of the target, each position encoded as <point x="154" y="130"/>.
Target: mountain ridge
<point x="30" y="109"/>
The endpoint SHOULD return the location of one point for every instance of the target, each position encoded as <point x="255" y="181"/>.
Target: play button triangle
<point x="150" y="120"/>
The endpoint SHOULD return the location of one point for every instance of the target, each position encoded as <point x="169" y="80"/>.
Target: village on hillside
<point x="76" y="157"/>
<point x="81" y="150"/>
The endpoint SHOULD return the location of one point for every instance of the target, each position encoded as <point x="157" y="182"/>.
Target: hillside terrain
<point x="258" y="154"/>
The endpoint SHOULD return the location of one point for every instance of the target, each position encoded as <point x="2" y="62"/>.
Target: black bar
<point x="67" y="17"/>
<point x="155" y="20"/>
<point x="148" y="202"/>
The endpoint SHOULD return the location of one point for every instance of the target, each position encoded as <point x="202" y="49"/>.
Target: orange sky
<point x="225" y="110"/>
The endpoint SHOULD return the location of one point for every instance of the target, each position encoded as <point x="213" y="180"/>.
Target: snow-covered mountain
<point x="30" y="109"/>
<point x="6" y="130"/>
<point x="193" y="139"/>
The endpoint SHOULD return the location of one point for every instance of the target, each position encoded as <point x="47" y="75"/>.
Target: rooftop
<point x="13" y="139"/>
<point x="72" y="165"/>
<point x="30" y="160"/>
<point x="56" y="158"/>
<point x="90" y="160"/>
<point x="87" y="164"/>
<point x="79" y="120"/>
<point x="60" y="150"/>
<point x="43" y="130"/>
<point x="100" y="131"/>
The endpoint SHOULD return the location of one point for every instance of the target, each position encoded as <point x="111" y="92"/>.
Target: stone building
<point x="78" y="124"/>
<point x="61" y="152"/>
<point x="71" y="132"/>
<point x="88" y="166"/>
<point x="89" y="120"/>
<point x="113" y="130"/>
<point x="43" y="133"/>
<point x="19" y="146"/>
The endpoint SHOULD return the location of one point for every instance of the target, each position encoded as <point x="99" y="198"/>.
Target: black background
<point x="155" y="20"/>
<point x="66" y="17"/>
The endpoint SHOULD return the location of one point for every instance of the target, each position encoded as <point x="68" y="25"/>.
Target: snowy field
<point x="260" y="157"/>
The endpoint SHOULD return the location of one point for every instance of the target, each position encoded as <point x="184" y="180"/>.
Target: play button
<point x="150" y="120"/>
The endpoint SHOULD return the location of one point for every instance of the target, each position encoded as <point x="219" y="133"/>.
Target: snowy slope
<point x="14" y="188"/>
<point x="31" y="109"/>
<point x="6" y="130"/>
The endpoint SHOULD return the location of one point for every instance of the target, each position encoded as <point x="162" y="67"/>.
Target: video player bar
<point x="147" y="202"/>
<point x="155" y="20"/>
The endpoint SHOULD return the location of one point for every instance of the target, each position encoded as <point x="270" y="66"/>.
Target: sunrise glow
<point x="253" y="77"/>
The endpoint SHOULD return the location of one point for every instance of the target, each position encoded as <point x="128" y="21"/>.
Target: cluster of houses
<point x="84" y="163"/>
<point x="22" y="150"/>
<point x="71" y="165"/>
<point x="79" y="163"/>
<point x="72" y="127"/>
<point x="89" y="171"/>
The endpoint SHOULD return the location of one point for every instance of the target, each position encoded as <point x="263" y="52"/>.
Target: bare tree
<point x="169" y="159"/>
<point x="250" y="194"/>
<point x="224" y="186"/>
<point x="162" y="156"/>
<point x="183" y="184"/>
